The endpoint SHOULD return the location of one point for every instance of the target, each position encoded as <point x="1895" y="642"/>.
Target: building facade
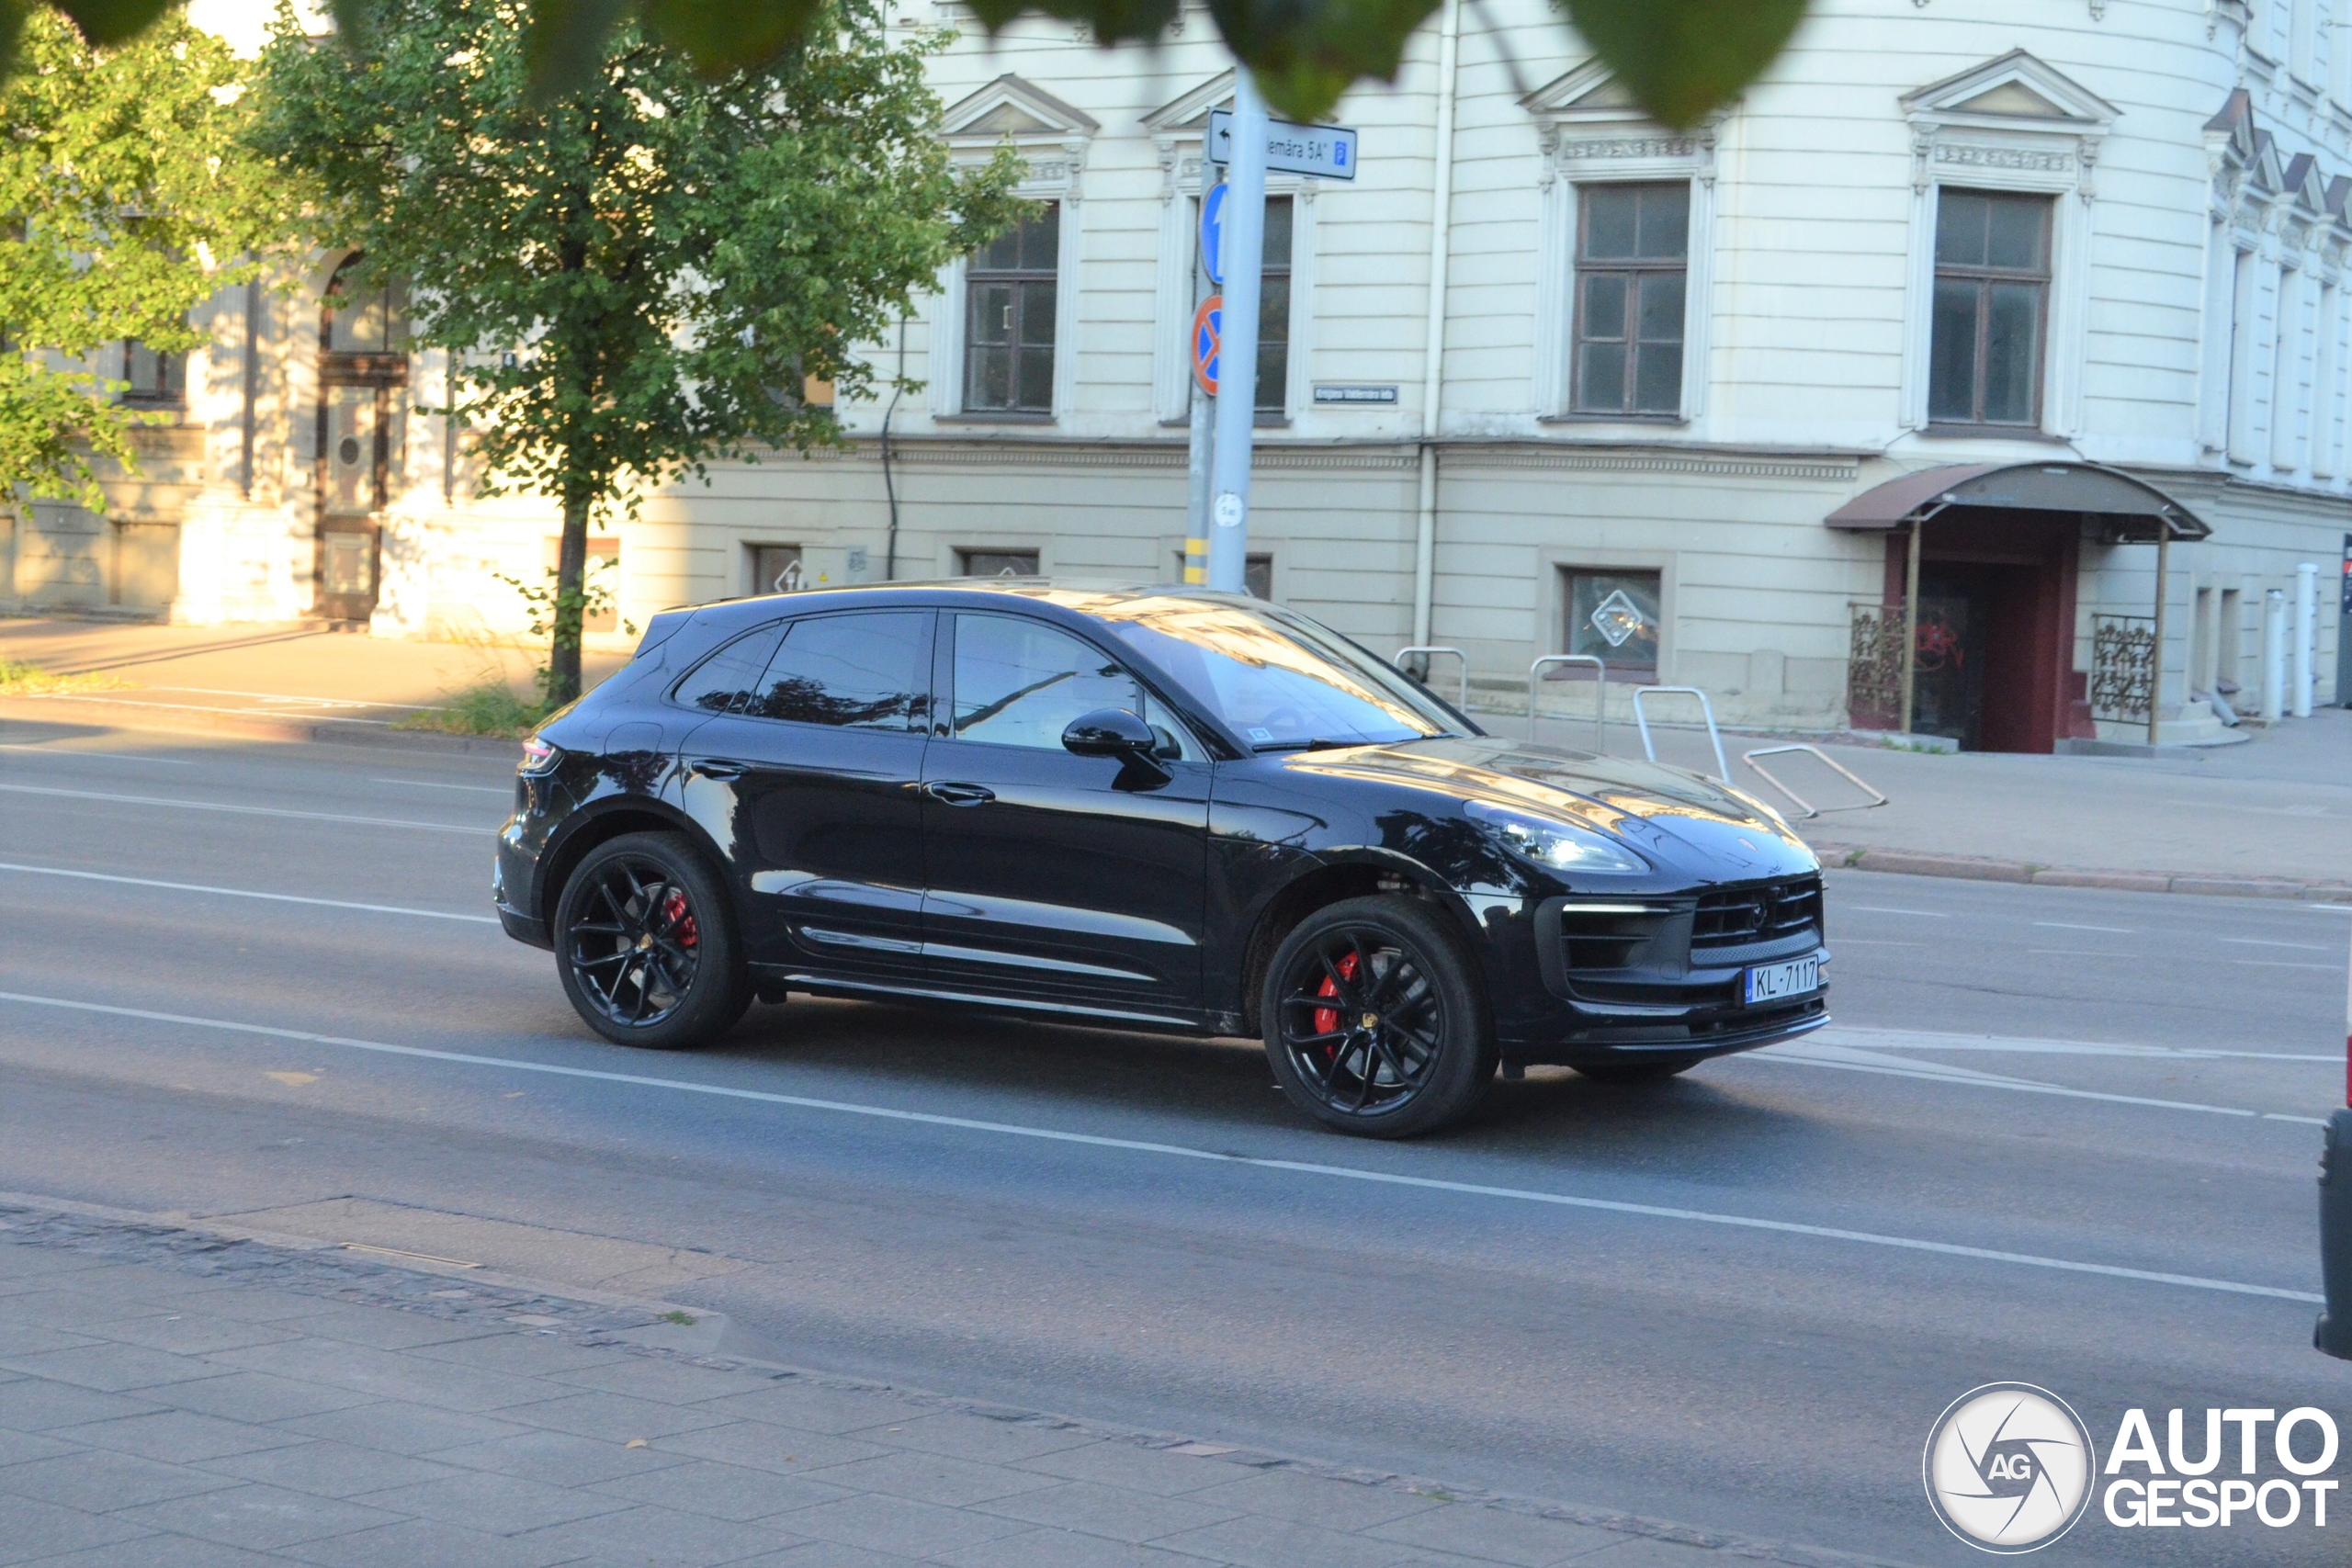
<point x="1965" y="306"/>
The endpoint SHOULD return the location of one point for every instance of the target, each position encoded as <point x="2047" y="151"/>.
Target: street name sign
<point x="1326" y="151"/>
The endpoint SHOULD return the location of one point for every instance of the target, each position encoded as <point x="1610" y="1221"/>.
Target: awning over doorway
<point x="2126" y="509"/>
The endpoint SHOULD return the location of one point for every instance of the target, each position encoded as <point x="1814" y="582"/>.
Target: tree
<point x="126" y="200"/>
<point x="1682" y="59"/>
<point x="638" y="275"/>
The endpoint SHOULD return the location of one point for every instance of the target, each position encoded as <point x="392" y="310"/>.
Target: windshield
<point x="1277" y="681"/>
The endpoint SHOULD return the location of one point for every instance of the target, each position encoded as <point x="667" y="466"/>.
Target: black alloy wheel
<point x="1372" y="1023"/>
<point x="645" y="943"/>
<point x="1633" y="1074"/>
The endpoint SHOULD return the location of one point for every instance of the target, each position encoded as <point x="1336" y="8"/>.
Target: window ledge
<point x="983" y="416"/>
<point x="1991" y="432"/>
<point x="1648" y="419"/>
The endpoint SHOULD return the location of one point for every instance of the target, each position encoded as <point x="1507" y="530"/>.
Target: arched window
<point x="362" y="362"/>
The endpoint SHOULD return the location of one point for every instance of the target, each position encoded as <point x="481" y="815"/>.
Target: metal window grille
<point x="2123" y="667"/>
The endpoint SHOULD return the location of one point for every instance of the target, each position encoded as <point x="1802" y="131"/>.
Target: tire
<point x="1633" y="1074"/>
<point x="650" y="894"/>
<point x="1429" y="1052"/>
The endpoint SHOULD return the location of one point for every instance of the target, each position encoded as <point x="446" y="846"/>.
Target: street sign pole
<point x="1244" y="225"/>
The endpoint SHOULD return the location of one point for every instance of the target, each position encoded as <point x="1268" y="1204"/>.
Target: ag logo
<point x="2008" y="1468"/>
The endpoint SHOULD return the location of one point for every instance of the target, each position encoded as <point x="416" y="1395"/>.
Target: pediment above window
<point x="1588" y="121"/>
<point x="2011" y="123"/>
<point x="2015" y="90"/>
<point x="1051" y="135"/>
<point x="1013" y="107"/>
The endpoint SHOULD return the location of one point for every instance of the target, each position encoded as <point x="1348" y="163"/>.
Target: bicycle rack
<point x="1600" y="694"/>
<point x="1403" y="654"/>
<point x="1722" y="768"/>
<point x="1810" y="810"/>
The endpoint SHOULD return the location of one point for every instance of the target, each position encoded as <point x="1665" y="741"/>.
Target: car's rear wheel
<point x="1372" y="1020"/>
<point x="645" y="942"/>
<point x="1633" y="1073"/>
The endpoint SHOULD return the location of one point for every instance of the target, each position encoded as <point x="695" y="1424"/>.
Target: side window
<point x="724" y="681"/>
<point x="1020" y="682"/>
<point x="866" y="671"/>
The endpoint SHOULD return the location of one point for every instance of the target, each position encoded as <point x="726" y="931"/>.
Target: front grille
<point x="1742" y="916"/>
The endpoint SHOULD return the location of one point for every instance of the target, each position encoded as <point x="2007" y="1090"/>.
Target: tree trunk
<point x="571" y="599"/>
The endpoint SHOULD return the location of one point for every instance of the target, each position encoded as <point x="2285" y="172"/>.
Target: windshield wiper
<point x="1320" y="743"/>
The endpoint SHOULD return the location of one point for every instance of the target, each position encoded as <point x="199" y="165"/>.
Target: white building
<point x="2087" y="257"/>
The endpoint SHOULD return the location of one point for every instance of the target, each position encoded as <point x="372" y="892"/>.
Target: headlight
<point x="1558" y="845"/>
<point x="538" y="757"/>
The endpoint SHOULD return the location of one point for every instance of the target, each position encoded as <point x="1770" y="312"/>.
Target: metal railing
<point x="1808" y="809"/>
<point x="1403" y="654"/>
<point x="1600" y="694"/>
<point x="1723" y="767"/>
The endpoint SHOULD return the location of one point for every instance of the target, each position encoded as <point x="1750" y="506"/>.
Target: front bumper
<point x="1661" y="974"/>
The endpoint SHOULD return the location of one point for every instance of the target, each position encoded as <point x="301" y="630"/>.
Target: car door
<point x="814" y="769"/>
<point x="1073" y="880"/>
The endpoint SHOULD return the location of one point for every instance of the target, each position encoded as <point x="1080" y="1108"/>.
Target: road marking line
<point x="1179" y="1151"/>
<point x="427" y="783"/>
<point x="1883" y="909"/>
<point x="2075" y="952"/>
<point x="2257" y="942"/>
<point x="247" y="892"/>
<point x="2064" y="926"/>
<point x="2284" y="963"/>
<point x="101" y="756"/>
<point x="242" y="810"/>
<point x="1852" y="1059"/>
<point x="1920" y="1040"/>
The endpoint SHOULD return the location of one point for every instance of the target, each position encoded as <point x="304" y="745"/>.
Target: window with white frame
<point x="1992" y="303"/>
<point x="1011" y="304"/>
<point x="1632" y="261"/>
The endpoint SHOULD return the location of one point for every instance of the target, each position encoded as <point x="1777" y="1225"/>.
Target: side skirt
<point x="772" y="980"/>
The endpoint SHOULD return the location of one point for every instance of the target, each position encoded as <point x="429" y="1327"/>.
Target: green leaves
<point x="120" y="173"/>
<point x="1683" y="59"/>
<point x="1305" y="53"/>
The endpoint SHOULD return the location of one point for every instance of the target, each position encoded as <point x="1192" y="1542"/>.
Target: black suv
<point x="1152" y="809"/>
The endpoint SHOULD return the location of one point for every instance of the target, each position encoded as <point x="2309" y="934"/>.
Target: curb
<point x="123" y="714"/>
<point x="185" y="1245"/>
<point x="1977" y="868"/>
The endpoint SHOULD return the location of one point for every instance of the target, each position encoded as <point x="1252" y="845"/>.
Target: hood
<point x="1680" y="815"/>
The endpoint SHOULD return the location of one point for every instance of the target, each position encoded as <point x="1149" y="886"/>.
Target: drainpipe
<point x="2306" y="634"/>
<point x="1449" y="53"/>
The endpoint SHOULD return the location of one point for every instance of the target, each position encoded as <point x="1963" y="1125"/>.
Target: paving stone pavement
<point x="176" y="1398"/>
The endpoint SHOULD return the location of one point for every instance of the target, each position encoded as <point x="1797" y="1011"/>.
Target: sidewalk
<point x="2272" y="817"/>
<point x="300" y="670"/>
<point x="184" y="1397"/>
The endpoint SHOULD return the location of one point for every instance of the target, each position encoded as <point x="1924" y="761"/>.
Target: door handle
<point x="721" y="768"/>
<point x="959" y="794"/>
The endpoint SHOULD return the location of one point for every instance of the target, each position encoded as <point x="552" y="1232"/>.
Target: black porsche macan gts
<point x="1149" y="808"/>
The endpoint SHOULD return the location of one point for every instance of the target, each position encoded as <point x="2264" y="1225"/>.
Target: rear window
<point x="724" y="682"/>
<point x="866" y="671"/>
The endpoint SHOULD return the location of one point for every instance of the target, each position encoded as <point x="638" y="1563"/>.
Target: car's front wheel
<point x="645" y="942"/>
<point x="1374" y="1021"/>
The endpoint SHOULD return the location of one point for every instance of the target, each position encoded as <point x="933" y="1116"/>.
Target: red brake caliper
<point x="673" y="909"/>
<point x="1327" y="1019"/>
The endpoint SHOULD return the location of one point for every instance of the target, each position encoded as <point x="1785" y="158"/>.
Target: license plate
<point x="1776" y="982"/>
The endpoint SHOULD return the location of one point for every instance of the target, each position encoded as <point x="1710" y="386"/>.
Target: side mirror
<point x="1116" y="733"/>
<point x="1109" y="732"/>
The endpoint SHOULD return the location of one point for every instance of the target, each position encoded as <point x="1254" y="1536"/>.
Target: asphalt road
<point x="2058" y="1136"/>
